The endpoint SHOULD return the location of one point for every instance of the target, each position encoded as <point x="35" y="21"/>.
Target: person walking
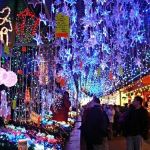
<point x="94" y="127"/>
<point x="110" y="113"/>
<point x="136" y="125"/>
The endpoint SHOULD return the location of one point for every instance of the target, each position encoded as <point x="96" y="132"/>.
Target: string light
<point x="5" y="22"/>
<point x="26" y="25"/>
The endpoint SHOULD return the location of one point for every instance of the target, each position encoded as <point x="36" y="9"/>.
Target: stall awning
<point x="145" y="81"/>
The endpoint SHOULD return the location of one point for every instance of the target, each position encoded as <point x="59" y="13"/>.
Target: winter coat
<point x="95" y="125"/>
<point x="136" y="122"/>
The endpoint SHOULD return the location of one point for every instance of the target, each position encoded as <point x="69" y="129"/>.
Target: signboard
<point x="22" y="145"/>
<point x="35" y="118"/>
<point x="62" y="26"/>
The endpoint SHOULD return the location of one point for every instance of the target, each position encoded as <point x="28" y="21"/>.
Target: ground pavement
<point x="76" y="143"/>
<point x="118" y="143"/>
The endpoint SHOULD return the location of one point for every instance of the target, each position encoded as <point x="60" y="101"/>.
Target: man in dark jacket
<point x="136" y="125"/>
<point x="95" y="127"/>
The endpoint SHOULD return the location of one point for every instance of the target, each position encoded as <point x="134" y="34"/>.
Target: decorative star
<point x="118" y="59"/>
<point x="92" y="40"/>
<point x="100" y="21"/>
<point x="89" y="21"/>
<point x="74" y="18"/>
<point x="101" y="1"/>
<point x="43" y="18"/>
<point x="51" y="24"/>
<point x="68" y="54"/>
<point x="87" y="45"/>
<point x="71" y="2"/>
<point x="38" y="39"/>
<point x="105" y="47"/>
<point x="105" y="13"/>
<point x="138" y="62"/>
<point x="53" y="8"/>
<point x="86" y="22"/>
<point x="49" y="37"/>
<point x="139" y="38"/>
<point x="34" y="2"/>
<point x="105" y="31"/>
<point x="103" y="65"/>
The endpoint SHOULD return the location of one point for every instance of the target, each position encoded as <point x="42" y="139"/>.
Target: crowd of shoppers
<point x="101" y="123"/>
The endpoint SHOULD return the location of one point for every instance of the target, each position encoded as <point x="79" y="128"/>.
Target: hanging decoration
<point x="43" y="71"/>
<point x="62" y="26"/>
<point x="24" y="49"/>
<point x="5" y="25"/>
<point x="138" y="62"/>
<point x="43" y="18"/>
<point x="38" y="39"/>
<point x="105" y="44"/>
<point x="8" y="78"/>
<point x="26" y="26"/>
<point x="27" y="97"/>
<point x="11" y="79"/>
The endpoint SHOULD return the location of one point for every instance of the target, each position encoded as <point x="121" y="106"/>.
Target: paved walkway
<point x="74" y="141"/>
<point x="118" y="143"/>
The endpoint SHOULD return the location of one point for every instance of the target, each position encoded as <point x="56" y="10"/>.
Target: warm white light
<point x="4" y="30"/>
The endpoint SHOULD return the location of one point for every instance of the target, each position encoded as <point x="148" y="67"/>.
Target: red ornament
<point x="24" y="49"/>
<point x="20" y="72"/>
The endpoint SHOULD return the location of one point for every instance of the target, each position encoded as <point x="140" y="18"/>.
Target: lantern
<point x="10" y="79"/>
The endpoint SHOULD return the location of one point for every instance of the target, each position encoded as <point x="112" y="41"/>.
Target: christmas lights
<point x="6" y="25"/>
<point x="108" y="49"/>
<point x="26" y="25"/>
